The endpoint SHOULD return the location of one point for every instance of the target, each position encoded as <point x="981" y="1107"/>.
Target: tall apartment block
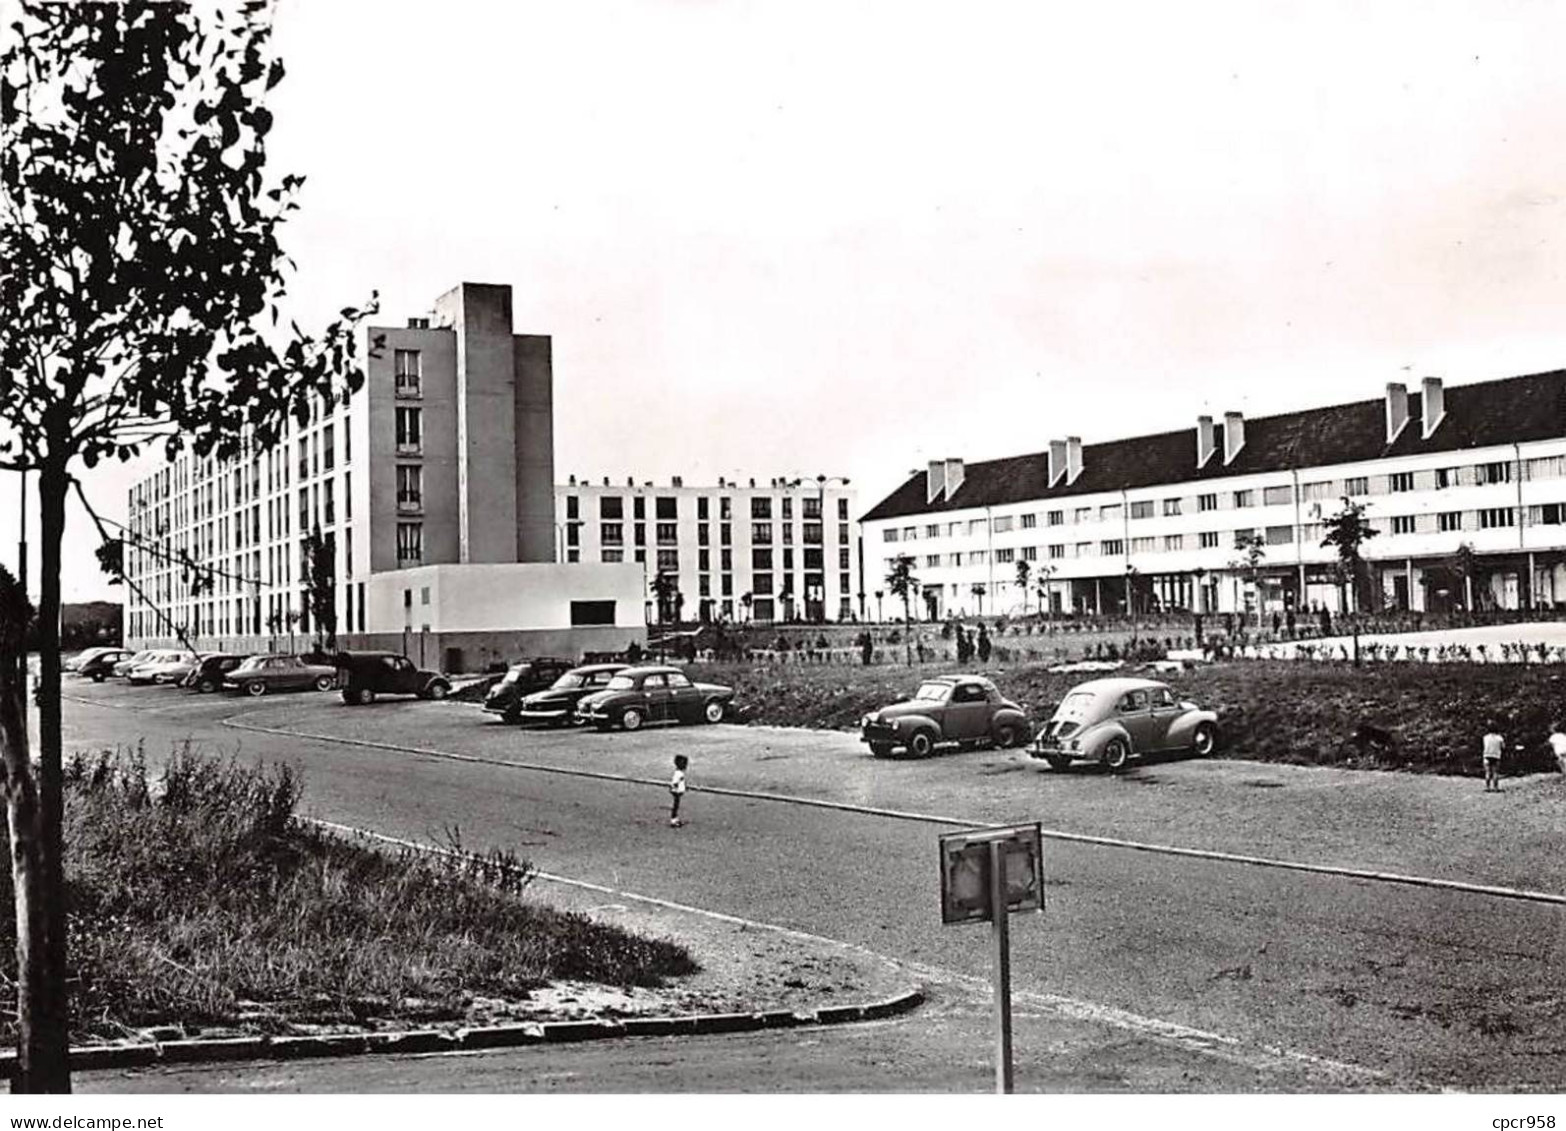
<point x="443" y="460"/>
<point x="1151" y="522"/>
<point x="781" y="551"/>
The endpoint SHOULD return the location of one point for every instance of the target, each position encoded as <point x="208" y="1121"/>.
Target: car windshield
<point x="621" y="683"/>
<point x="569" y="680"/>
<point x="1075" y="706"/>
<point x="933" y="692"/>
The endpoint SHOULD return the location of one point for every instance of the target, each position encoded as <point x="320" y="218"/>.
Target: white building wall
<point x="497" y="597"/>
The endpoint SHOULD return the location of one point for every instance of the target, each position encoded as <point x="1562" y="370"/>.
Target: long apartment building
<point x="1152" y="522"/>
<point x="445" y="458"/>
<point x="787" y="549"/>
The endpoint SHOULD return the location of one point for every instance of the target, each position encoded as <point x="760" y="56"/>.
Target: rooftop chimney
<point x="1397" y="409"/>
<point x="721" y="483"/>
<point x="1205" y="444"/>
<point x="753" y="482"/>
<point x="677" y="481"/>
<point x="954" y="476"/>
<point x="1233" y="436"/>
<point x="1073" y="458"/>
<point x="1434" y="406"/>
<point x="571" y="481"/>
<point x="606" y="481"/>
<point x="935" y="481"/>
<point x="1057" y="461"/>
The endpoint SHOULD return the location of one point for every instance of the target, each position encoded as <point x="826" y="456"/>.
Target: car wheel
<point x="206" y="686"/>
<point x="922" y="744"/>
<point x="255" y="688"/>
<point x="1205" y="740"/>
<point x="631" y="719"/>
<point x="324" y="683"/>
<point x="713" y="711"/>
<point x="97" y="677"/>
<point x="880" y="749"/>
<point x="1117" y="753"/>
<point x="1057" y="761"/>
<point x="1005" y="736"/>
<point x="439" y="689"/>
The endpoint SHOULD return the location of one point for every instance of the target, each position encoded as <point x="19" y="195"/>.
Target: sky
<point x="845" y="239"/>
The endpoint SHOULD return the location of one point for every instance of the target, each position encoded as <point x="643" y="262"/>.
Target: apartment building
<point x="1152" y="522"/>
<point x="445" y="458"/>
<point x="787" y="549"/>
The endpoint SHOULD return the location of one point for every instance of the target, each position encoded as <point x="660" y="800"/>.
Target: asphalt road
<point x="1147" y="972"/>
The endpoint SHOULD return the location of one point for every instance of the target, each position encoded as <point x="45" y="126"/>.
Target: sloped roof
<point x="1512" y="410"/>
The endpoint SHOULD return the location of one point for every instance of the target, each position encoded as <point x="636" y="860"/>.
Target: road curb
<point x="424" y="1041"/>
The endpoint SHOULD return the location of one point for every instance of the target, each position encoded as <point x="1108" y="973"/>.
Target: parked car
<point x="364" y="676"/>
<point x="962" y="709"/>
<point x="208" y="675"/>
<point x="1110" y="720"/>
<point x="259" y="675"/>
<point x="521" y="680"/>
<point x="152" y="669"/>
<point x="557" y="703"/>
<point x="654" y="694"/>
<point x="123" y="668"/>
<point x="101" y="666"/>
<point x="86" y="655"/>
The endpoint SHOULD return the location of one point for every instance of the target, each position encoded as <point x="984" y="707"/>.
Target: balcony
<point x="409" y="447"/>
<point x="409" y="386"/>
<point x="409" y="502"/>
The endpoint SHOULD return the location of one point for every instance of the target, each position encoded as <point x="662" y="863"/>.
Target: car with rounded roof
<point x="207" y="676"/>
<point x="1110" y="721"/>
<point x="966" y="710"/>
<point x="100" y="667"/>
<point x="521" y="680"/>
<point x="363" y="677"/>
<point x="557" y="702"/>
<point x="123" y="667"/>
<point x="264" y="674"/>
<point x="86" y="655"/>
<point x="655" y="694"/>
<point x="155" y="668"/>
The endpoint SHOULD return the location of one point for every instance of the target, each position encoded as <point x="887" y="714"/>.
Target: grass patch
<point x="199" y="898"/>
<point x="1409" y="716"/>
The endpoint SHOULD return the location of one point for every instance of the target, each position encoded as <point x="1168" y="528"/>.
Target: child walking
<point x="1493" y="742"/>
<point x="677" y="789"/>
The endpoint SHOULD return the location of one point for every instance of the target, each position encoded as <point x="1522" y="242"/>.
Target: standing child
<point x="677" y="789"/>
<point x="1558" y="746"/>
<point x="1493" y="742"/>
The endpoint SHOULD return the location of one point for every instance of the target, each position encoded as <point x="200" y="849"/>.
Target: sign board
<point x="965" y="872"/>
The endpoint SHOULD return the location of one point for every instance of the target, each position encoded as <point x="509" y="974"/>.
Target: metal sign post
<point x="988" y="874"/>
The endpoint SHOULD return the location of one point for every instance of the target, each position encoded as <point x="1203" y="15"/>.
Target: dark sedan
<point x="556" y="703"/>
<point x="262" y="674"/>
<point x="654" y="695"/>
<point x="521" y="680"/>
<point x="967" y="710"/>
<point x="208" y="674"/>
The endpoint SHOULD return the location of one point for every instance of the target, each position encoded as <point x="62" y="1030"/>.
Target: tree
<point x="663" y="588"/>
<point x="1347" y="531"/>
<point x="1045" y="572"/>
<point x="978" y="590"/>
<point x="142" y="294"/>
<point x="1463" y="561"/>
<point x="902" y="583"/>
<point x="1252" y="548"/>
<point x="1024" y="571"/>
<point x="321" y="587"/>
<point x="746" y="600"/>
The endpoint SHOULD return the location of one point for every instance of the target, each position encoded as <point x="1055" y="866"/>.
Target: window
<point x="842" y="510"/>
<point x="1547" y="467"/>
<point x="1084" y="550"/>
<point x="954" y="559"/>
<point x="1244" y="499"/>
<point x="842" y="534"/>
<point x="1400" y="481"/>
<point x="1550" y="514"/>
<point x="668" y="508"/>
<point x="932" y="561"/>
<point x="608" y="554"/>
<point x="410" y="487"/>
<point x="328" y="456"/>
<point x="1277" y="496"/>
<point x="1143" y="545"/>
<point x="933" y="530"/>
<point x="1110" y="512"/>
<point x="704" y="560"/>
<point x="668" y="533"/>
<point x="329" y="511"/>
<point x="1446" y="477"/>
<point x="725" y="507"/>
<point x="1279" y="535"/>
<point x="1057" y="550"/>
<point x="887" y="535"/>
<point x="639" y="534"/>
<point x="1171" y="508"/>
<point x="611" y="533"/>
<point x="1030" y="521"/>
<point x="701" y="508"/>
<point x="1208" y="539"/>
<point x="1030" y="553"/>
<point x="1174" y="542"/>
<point x="788" y="533"/>
<point x="639" y="507"/>
<point x="703" y="534"/>
<point x="1056" y="518"/>
<point x="976" y="527"/>
<point x="1142" y="508"/>
<point x="410" y="431"/>
<point x="1402" y="523"/>
<point x="761" y="507"/>
<point x="1082" y="514"/>
<point x="405" y="365"/>
<point x="761" y="559"/>
<point x="761" y="583"/>
<point x="704" y="586"/>
<point x="811" y="533"/>
<point x="1356" y="485"/>
<point x="611" y="507"/>
<point x="668" y="561"/>
<point x="1002" y="524"/>
<point x="978" y="557"/>
<point x="1493" y="473"/>
<point x="761" y="534"/>
<point x="725" y="560"/>
<point x="1448" y="521"/>
<point x="1492" y="517"/>
<point x="809" y="508"/>
<point x="573" y="532"/>
<point x="592" y="612"/>
<point x="842" y="559"/>
<point x="1002" y="557"/>
<point x="1207" y="502"/>
<point x="725" y="533"/>
<point x="1110" y="547"/>
<point x="410" y="543"/>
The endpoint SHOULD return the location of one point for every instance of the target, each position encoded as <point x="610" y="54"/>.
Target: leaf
<point x="275" y="75"/>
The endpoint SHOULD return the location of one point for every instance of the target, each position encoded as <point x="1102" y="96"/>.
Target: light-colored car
<point x="145" y="671"/>
<point x="85" y="656"/>
<point x="1112" y="720"/>
<point x="123" y="668"/>
<point x="967" y="710"/>
<point x="171" y="669"/>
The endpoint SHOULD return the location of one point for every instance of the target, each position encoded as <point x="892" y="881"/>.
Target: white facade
<point x="791" y="546"/>
<point x="481" y="598"/>
<point x="1172" y="545"/>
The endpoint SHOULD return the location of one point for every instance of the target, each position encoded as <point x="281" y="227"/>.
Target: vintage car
<point x="521" y="680"/>
<point x="653" y="695"/>
<point x="557" y="703"/>
<point x="74" y="663"/>
<point x="1109" y="720"/>
<point x="164" y="667"/>
<point x="363" y="677"/>
<point x="962" y="709"/>
<point x="123" y="667"/>
<point x="208" y="675"/>
<point x="100" y="667"/>
<point x="261" y="675"/>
